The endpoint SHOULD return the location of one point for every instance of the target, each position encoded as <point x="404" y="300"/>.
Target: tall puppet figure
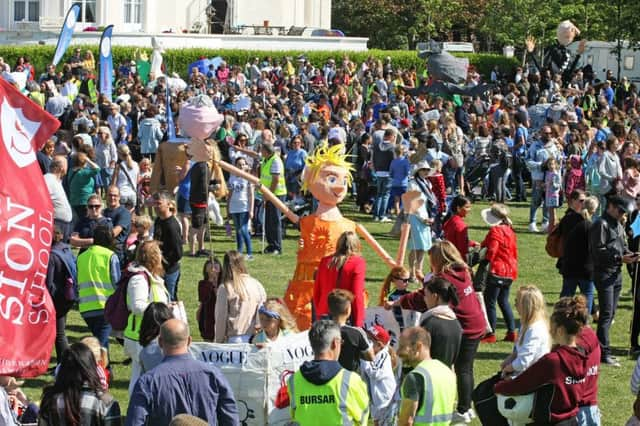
<point x="199" y="119"/>
<point x="558" y="57"/>
<point x="327" y="175"/>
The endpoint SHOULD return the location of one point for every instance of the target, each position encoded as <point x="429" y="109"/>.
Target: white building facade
<point x="157" y="16"/>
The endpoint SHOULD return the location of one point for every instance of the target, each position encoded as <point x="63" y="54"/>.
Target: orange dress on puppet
<point x="317" y="239"/>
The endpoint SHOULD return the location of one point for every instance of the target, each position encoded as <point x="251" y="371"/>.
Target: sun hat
<point x="495" y="215"/>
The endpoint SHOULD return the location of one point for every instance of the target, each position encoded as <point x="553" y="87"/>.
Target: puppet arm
<point x="362" y="231"/>
<point x="266" y="193"/>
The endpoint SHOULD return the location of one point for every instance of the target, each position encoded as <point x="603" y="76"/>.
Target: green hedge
<point x="177" y="60"/>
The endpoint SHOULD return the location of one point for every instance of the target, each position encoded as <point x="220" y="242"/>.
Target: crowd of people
<point x="128" y="196"/>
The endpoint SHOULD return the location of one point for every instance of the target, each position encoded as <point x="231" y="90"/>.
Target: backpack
<point x="555" y="243"/>
<point x="116" y="311"/>
<point x="70" y="285"/>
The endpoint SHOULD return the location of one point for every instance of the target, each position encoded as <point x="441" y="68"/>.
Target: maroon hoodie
<point x="565" y="367"/>
<point x="468" y="311"/>
<point x="588" y="341"/>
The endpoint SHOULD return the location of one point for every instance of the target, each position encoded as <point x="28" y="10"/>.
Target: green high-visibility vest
<point x="157" y="293"/>
<point x="440" y="394"/>
<point x="94" y="278"/>
<point x="343" y="400"/>
<point x="266" y="178"/>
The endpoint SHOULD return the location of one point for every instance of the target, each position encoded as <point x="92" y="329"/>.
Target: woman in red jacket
<point x="343" y="269"/>
<point x="447" y="263"/>
<point x="455" y="229"/>
<point x="502" y="254"/>
<point x="565" y="367"/>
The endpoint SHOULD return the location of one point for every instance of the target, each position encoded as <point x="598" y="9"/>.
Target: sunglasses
<point x="94" y="206"/>
<point x="404" y="280"/>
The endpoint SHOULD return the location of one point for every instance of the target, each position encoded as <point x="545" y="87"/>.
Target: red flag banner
<point x="27" y="315"/>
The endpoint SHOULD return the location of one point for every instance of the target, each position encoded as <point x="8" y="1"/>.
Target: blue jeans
<point x="171" y="283"/>
<point x="497" y="290"/>
<point x="241" y="223"/>
<point x="100" y="329"/>
<point x="537" y="200"/>
<point x="587" y="289"/>
<point x="383" y="186"/>
<point x="609" y="289"/>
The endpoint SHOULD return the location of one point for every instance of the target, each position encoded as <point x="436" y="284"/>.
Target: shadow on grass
<point x="490" y="356"/>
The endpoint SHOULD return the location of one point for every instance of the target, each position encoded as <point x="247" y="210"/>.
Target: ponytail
<point x="444" y="289"/>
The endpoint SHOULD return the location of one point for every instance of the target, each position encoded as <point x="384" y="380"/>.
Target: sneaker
<point x="544" y="227"/>
<point x="511" y="336"/>
<point x="249" y="257"/>
<point x="471" y="414"/>
<point x="533" y="227"/>
<point x="376" y="219"/>
<point x="490" y="338"/>
<point x="460" y="418"/>
<point x="276" y="253"/>
<point x="385" y="219"/>
<point x="610" y="361"/>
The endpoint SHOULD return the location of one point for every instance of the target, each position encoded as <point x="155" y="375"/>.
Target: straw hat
<point x="495" y="215"/>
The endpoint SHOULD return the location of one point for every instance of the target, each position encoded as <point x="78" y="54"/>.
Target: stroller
<point x="476" y="176"/>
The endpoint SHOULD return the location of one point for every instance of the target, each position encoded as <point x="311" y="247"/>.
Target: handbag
<point x="528" y="408"/>
<point x="487" y="325"/>
<point x="481" y="274"/>
<point x="282" y="397"/>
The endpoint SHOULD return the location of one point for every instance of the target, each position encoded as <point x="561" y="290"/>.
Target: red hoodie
<point x="468" y="311"/>
<point x="588" y="341"/>
<point x="565" y="367"/>
<point x="455" y="231"/>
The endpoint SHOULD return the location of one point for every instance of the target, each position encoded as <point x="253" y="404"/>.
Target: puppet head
<point x="199" y="117"/>
<point x="200" y="150"/>
<point x="327" y="174"/>
<point x="566" y="33"/>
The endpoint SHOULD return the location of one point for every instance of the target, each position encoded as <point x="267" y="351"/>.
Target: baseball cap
<point x="378" y="333"/>
<point x="405" y="122"/>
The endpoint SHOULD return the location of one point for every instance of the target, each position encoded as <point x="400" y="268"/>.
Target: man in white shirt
<point x="62" y="214"/>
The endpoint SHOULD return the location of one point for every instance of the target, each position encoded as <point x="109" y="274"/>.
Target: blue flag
<point x="106" y="63"/>
<point x="635" y="226"/>
<point x="66" y="32"/>
<point x="171" y="129"/>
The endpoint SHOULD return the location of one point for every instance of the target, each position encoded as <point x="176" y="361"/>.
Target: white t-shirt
<point x="61" y="206"/>
<point x="378" y="374"/>
<point x="239" y="202"/>
<point x="125" y="187"/>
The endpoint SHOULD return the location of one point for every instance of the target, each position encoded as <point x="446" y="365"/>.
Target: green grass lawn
<point x="274" y="272"/>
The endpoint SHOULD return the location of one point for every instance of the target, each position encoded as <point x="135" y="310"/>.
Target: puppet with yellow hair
<point x="326" y="176"/>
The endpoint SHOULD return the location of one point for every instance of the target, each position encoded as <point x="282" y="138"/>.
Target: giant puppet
<point x="326" y="176"/>
<point x="558" y="58"/>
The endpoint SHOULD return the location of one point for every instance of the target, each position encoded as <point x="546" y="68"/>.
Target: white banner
<point x="255" y="375"/>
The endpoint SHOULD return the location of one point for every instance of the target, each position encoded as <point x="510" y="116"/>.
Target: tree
<point x="509" y="22"/>
<point x="388" y="22"/>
